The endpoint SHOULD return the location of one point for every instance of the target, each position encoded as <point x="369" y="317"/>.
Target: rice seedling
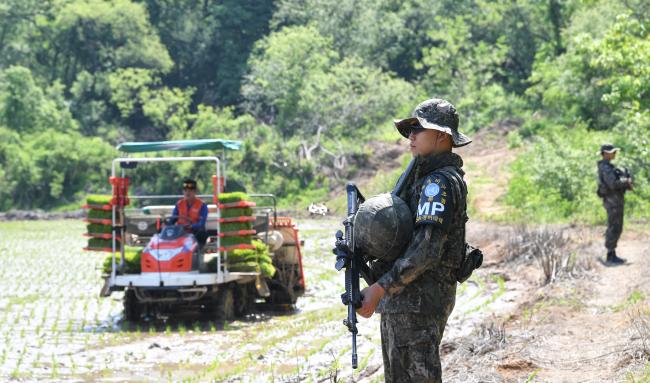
<point x="55" y="368"/>
<point x="57" y="309"/>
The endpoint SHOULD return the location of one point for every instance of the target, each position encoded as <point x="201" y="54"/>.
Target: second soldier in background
<point x="612" y="185"/>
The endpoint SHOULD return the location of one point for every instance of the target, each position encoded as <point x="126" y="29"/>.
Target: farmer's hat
<point x="189" y="183"/>
<point x="434" y="114"/>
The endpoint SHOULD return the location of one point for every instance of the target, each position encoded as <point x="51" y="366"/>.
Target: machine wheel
<point x="244" y="299"/>
<point x="224" y="307"/>
<point x="280" y="294"/>
<point x="132" y="308"/>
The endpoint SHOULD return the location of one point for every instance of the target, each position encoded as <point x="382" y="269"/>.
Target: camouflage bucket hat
<point x="436" y="114"/>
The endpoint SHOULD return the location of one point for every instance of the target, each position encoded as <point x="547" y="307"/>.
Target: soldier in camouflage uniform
<point x="416" y="293"/>
<point x="612" y="185"/>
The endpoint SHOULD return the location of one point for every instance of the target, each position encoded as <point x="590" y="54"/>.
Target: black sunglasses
<point x="417" y="129"/>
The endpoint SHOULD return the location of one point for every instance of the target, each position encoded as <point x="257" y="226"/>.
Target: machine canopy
<point x="157" y="146"/>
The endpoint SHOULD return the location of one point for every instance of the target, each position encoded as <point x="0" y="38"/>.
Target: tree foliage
<point x="304" y="83"/>
<point x="601" y="82"/>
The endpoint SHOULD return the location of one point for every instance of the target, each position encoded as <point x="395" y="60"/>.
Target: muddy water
<point x="54" y="327"/>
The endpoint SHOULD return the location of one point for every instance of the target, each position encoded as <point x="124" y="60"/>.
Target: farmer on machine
<point x="415" y="293"/>
<point x="612" y="185"/>
<point x="191" y="212"/>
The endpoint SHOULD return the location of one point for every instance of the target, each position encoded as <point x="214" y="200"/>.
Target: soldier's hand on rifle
<point x="371" y="296"/>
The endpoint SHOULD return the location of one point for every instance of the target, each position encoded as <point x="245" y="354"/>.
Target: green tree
<point x="321" y="105"/>
<point x="48" y="168"/>
<point x="595" y="92"/>
<point x="210" y="43"/>
<point x="100" y="36"/>
<point x="20" y="22"/>
<point x="26" y="107"/>
<point x="280" y="66"/>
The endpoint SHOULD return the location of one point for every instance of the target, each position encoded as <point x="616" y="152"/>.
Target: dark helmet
<point x="383" y="227"/>
<point x="434" y="114"/>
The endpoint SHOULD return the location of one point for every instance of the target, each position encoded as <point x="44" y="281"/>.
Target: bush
<point x="555" y="180"/>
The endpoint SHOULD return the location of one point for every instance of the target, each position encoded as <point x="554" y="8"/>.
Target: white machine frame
<point x="175" y="279"/>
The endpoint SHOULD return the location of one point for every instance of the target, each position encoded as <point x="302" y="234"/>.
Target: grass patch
<point x="501" y="289"/>
<point x="644" y="376"/>
<point x="635" y="297"/>
<point x="571" y="299"/>
<point x="532" y="376"/>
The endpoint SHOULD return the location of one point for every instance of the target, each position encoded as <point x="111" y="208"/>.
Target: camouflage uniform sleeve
<point x="611" y="180"/>
<point x="422" y="254"/>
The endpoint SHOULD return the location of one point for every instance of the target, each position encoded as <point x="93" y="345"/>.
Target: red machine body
<point x="169" y="253"/>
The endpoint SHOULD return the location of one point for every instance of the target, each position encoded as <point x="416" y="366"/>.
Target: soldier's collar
<point x="433" y="162"/>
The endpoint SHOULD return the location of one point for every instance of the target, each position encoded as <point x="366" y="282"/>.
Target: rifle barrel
<point x="354" y="351"/>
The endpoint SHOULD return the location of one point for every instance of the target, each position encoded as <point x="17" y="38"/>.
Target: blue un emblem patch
<point x="435" y="204"/>
<point x="431" y="190"/>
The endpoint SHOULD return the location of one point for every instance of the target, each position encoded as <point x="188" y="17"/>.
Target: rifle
<point x="354" y="264"/>
<point x="630" y="179"/>
<point x="353" y="260"/>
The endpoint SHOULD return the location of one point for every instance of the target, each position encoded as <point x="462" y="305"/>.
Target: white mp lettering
<point x="424" y="208"/>
<point x="430" y="208"/>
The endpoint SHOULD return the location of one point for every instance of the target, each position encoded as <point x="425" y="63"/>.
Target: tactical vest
<point x="194" y="212"/>
<point x="456" y="254"/>
<point x="454" y="249"/>
<point x="604" y="191"/>
<point x="464" y="256"/>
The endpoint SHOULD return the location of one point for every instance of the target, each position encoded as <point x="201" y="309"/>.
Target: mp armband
<point x="435" y="205"/>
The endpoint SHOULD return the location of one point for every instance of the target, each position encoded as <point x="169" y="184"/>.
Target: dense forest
<point x="303" y="82"/>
